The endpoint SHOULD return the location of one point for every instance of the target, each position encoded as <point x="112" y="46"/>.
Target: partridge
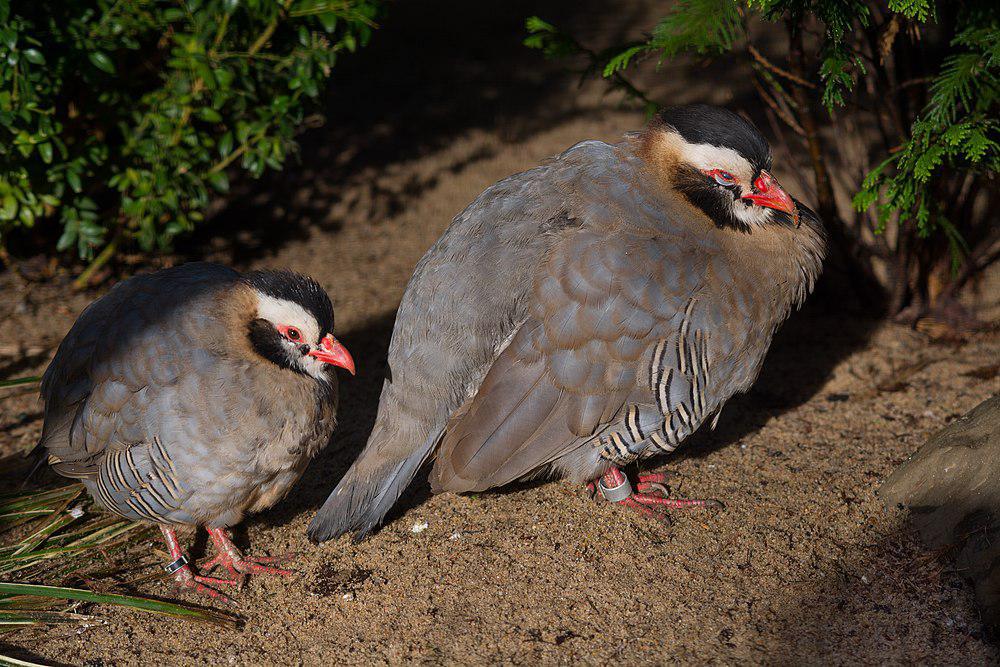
<point x="587" y="313"/>
<point x="193" y="396"/>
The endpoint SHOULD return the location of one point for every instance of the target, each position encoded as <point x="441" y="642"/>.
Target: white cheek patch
<point x="280" y="311"/>
<point x="707" y="157"/>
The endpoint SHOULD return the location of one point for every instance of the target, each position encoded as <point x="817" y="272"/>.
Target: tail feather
<point x="367" y="492"/>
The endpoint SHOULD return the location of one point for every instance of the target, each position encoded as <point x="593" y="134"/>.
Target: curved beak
<point x="770" y="195"/>
<point x="332" y="352"/>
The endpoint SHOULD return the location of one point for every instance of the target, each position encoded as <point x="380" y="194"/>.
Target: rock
<point x="951" y="486"/>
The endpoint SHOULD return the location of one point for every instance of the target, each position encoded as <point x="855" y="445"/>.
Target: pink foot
<point x="236" y="563"/>
<point x="650" y="497"/>
<point x="184" y="576"/>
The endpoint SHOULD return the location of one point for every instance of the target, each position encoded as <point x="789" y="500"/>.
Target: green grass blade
<point x="13" y="503"/>
<point x="142" y="604"/>
<point x="59" y="520"/>
<point x="19" y="381"/>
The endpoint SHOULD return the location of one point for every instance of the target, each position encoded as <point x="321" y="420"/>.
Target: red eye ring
<point x="721" y="176"/>
<point x="290" y="333"/>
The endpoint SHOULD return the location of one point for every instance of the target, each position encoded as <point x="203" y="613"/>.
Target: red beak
<point x="334" y="353"/>
<point x="769" y="194"/>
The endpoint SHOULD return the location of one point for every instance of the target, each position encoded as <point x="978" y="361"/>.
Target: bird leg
<point x="184" y="576"/>
<point x="239" y="566"/>
<point x="615" y="487"/>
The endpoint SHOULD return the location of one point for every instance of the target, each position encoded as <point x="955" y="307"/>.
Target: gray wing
<point x="617" y="356"/>
<point x="104" y="390"/>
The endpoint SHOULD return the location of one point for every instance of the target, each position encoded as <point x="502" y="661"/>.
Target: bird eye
<point x="722" y="177"/>
<point x="291" y="333"/>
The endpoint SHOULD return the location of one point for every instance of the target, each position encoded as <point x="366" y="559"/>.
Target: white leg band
<point x="615" y="494"/>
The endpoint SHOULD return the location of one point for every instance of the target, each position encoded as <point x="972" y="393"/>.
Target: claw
<point x="644" y="487"/>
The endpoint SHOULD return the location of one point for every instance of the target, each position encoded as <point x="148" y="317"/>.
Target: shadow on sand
<point x="878" y="597"/>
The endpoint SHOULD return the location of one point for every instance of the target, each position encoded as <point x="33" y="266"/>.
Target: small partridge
<point x="193" y="396"/>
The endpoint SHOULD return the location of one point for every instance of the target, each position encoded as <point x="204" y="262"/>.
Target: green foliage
<point x="122" y="116"/>
<point x="703" y="26"/>
<point x="921" y="10"/>
<point x="839" y="67"/>
<point x="957" y="131"/>
<point x="545" y="36"/>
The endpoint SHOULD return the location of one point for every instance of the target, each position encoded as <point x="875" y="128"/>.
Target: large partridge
<point x="193" y="396"/>
<point x="587" y="313"/>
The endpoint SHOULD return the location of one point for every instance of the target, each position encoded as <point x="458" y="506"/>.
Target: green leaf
<point x="328" y="21"/>
<point x="68" y="237"/>
<point x="219" y="181"/>
<point x="45" y="150"/>
<point x="73" y="179"/>
<point x="8" y="37"/>
<point x="535" y="24"/>
<point x="26" y="216"/>
<point x="34" y="56"/>
<point x="210" y="115"/>
<point x="142" y="604"/>
<point x="621" y="61"/>
<point x="101" y="61"/>
<point x="226" y="144"/>
<point x="8" y="207"/>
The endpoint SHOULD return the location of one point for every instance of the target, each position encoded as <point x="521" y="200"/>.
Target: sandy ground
<point x="804" y="565"/>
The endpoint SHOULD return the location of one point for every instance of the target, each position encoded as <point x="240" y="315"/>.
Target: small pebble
<point x="419" y="527"/>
